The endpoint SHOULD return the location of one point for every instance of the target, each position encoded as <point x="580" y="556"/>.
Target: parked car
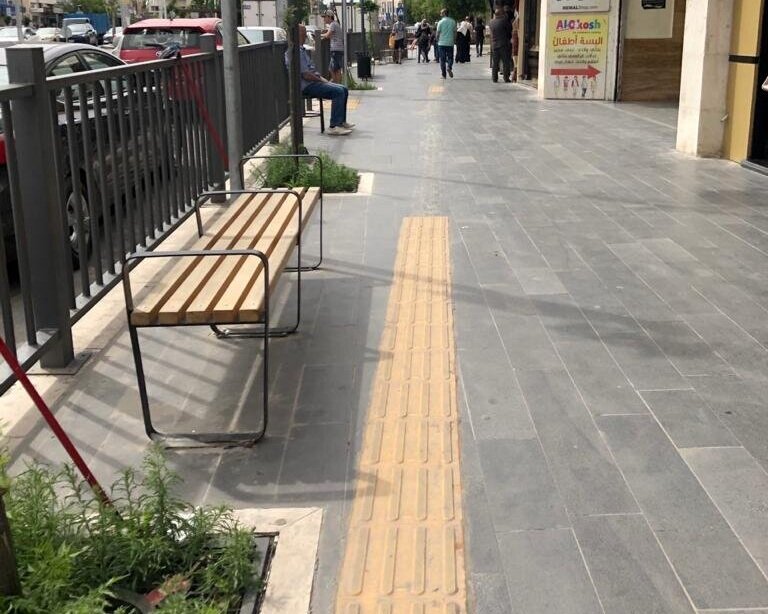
<point x="11" y="34"/>
<point x="98" y="21"/>
<point x="112" y="36"/>
<point x="143" y="40"/>
<point x="48" y="35"/>
<point x="83" y="33"/>
<point x="255" y="34"/>
<point x="60" y="59"/>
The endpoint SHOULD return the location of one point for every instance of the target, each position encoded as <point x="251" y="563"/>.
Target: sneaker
<point x="347" y="125"/>
<point x="450" y="73"/>
<point x="338" y="131"/>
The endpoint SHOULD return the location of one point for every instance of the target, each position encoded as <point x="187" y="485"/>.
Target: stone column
<point x="704" y="74"/>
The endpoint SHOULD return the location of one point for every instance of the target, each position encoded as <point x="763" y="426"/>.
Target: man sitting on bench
<point x="314" y="85"/>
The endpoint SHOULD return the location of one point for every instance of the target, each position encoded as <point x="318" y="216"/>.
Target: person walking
<point x="398" y="32"/>
<point x="315" y="85"/>
<point x="423" y="40"/>
<point x="479" y="36"/>
<point x="333" y="33"/>
<point x="463" y="38"/>
<point x="446" y="38"/>
<point x="501" y="46"/>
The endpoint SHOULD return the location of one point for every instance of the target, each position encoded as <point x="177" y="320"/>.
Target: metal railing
<point x="106" y="163"/>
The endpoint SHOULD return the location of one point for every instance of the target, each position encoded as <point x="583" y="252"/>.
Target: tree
<point x="86" y="6"/>
<point x="430" y="9"/>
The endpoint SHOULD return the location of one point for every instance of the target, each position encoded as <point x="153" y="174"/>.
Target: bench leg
<point x="322" y="116"/>
<point x="240" y="438"/>
<point x="316" y="265"/>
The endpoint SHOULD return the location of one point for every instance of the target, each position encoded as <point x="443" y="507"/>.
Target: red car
<point x="143" y="40"/>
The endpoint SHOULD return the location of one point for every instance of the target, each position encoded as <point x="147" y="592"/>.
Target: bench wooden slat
<point x="244" y="299"/>
<point x="146" y="307"/>
<point x="228" y="289"/>
<point x="261" y="236"/>
<point x="261" y="211"/>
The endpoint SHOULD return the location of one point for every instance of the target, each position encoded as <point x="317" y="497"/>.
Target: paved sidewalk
<point x="611" y="315"/>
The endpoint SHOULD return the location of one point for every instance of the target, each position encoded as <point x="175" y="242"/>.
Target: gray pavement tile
<point x="526" y="342"/>
<point x="687" y="419"/>
<point x="495" y="403"/>
<point x="309" y="473"/>
<point x="640" y="358"/>
<point x="694" y="535"/>
<point x="556" y="249"/>
<point x="738" y="306"/>
<point x="482" y="546"/>
<point x="740" y="405"/>
<point x="739" y="487"/>
<point x="686" y="350"/>
<point x="580" y="461"/>
<point x="326" y="394"/>
<point x="539" y="281"/>
<point x="520" y="490"/>
<point x="629" y="569"/>
<point x="564" y="320"/>
<point x="489" y="594"/>
<point x="485" y="252"/>
<point x="741" y="351"/>
<point x="509" y="297"/>
<point x="516" y="243"/>
<point x="605" y="389"/>
<point x="546" y="573"/>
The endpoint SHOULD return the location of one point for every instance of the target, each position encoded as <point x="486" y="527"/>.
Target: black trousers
<point x="501" y="55"/>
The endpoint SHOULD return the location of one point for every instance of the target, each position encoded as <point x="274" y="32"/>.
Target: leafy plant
<point x="287" y="172"/>
<point x="74" y="551"/>
<point x="352" y="84"/>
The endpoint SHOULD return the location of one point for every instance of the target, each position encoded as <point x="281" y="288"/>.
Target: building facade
<point x="708" y="56"/>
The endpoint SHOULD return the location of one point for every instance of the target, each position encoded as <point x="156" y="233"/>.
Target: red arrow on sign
<point x="589" y="71"/>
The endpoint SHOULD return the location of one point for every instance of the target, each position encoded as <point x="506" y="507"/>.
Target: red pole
<point x="54" y="424"/>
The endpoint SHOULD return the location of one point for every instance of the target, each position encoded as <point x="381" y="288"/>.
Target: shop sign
<point x="577" y="48"/>
<point x="578" y="6"/>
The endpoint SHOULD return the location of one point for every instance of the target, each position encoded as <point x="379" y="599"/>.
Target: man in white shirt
<point x="334" y="34"/>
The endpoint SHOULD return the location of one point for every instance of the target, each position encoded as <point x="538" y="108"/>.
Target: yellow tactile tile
<point x="352" y="103"/>
<point x="405" y="543"/>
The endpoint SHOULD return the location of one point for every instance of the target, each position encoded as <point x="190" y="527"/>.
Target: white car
<point x="255" y="34"/>
<point x="48" y="35"/>
<point x="113" y="35"/>
<point x="11" y="34"/>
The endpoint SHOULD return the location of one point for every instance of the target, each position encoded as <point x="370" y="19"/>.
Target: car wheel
<point x="73" y="228"/>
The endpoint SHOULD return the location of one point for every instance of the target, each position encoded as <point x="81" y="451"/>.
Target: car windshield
<point x="9" y="33"/>
<point x="152" y="38"/>
<point x="77" y="28"/>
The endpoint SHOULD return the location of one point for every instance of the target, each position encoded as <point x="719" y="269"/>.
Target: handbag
<point x="391" y="41"/>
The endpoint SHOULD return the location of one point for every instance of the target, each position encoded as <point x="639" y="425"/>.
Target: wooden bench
<point x="226" y="278"/>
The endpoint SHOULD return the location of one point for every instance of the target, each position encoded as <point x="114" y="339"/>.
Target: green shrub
<point x="73" y="551"/>
<point x="286" y="173"/>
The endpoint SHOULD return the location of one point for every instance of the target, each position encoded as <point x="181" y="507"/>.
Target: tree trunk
<point x="9" y="579"/>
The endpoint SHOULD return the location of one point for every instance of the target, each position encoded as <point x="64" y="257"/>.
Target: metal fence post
<point x="214" y="90"/>
<point x="35" y="135"/>
<point x="277" y="66"/>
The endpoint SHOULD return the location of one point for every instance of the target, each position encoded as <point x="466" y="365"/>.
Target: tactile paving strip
<point x="405" y="544"/>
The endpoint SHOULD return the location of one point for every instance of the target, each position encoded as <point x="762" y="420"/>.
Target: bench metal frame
<point x="225" y="439"/>
<point x="194" y="438"/>
<point x="244" y="160"/>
